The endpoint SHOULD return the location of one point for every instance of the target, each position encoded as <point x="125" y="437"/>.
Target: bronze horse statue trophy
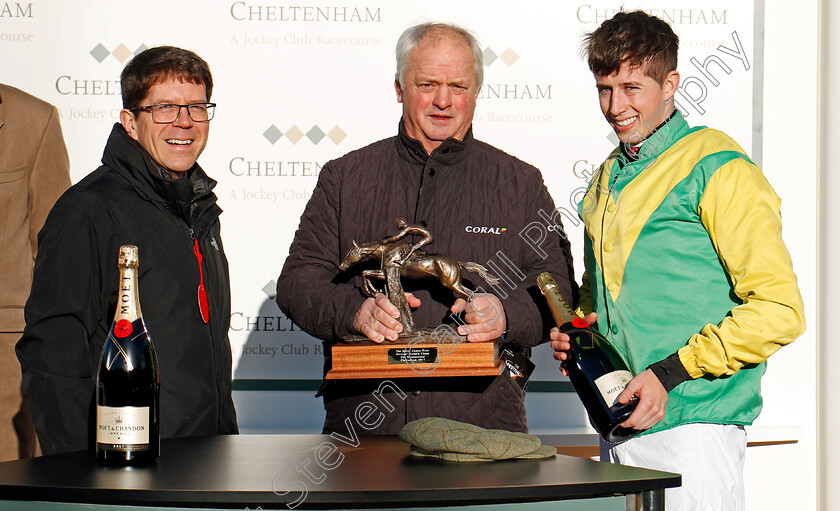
<point x="418" y="265"/>
<point x="401" y="259"/>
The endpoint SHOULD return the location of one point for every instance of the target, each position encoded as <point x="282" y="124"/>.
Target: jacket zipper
<point x="200" y="259"/>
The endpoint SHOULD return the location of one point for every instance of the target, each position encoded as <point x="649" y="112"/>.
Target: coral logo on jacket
<point x="483" y="229"/>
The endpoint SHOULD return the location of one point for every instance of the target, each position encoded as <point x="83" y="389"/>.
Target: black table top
<point x="271" y="470"/>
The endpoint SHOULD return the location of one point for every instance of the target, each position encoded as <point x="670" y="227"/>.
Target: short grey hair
<point x="413" y="35"/>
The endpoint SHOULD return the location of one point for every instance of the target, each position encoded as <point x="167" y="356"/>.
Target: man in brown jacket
<point x="34" y="172"/>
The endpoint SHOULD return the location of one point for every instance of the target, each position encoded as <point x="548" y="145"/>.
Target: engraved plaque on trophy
<point x="418" y="351"/>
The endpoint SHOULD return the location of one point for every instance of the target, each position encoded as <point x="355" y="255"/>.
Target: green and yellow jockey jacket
<point x="684" y="254"/>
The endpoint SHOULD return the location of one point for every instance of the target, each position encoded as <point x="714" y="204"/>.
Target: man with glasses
<point x="149" y="192"/>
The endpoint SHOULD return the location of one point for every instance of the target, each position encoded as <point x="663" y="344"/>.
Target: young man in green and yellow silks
<point x="687" y="270"/>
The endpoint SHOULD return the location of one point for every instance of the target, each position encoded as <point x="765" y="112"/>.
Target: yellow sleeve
<point x="741" y="213"/>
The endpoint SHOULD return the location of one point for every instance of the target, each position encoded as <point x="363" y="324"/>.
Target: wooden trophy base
<point x="422" y="353"/>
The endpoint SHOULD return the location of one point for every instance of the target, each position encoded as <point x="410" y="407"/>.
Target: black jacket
<point x="73" y="298"/>
<point x="478" y="202"/>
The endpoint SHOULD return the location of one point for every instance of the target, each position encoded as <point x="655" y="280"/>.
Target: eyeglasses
<point x="166" y="113"/>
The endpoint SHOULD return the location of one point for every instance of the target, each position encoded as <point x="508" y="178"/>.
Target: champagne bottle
<point x="127" y="382"/>
<point x="597" y="371"/>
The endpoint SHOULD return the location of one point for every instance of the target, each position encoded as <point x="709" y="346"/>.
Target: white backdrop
<point x="300" y="83"/>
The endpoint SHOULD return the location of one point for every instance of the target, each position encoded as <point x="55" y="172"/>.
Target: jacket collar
<point x="663" y="137"/>
<point x="449" y="152"/>
<point x="627" y="167"/>
<point x="188" y="197"/>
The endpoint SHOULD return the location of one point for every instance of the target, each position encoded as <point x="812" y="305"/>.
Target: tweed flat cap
<point x="435" y="437"/>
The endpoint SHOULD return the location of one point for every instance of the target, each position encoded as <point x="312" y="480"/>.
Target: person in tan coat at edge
<point x="34" y="172"/>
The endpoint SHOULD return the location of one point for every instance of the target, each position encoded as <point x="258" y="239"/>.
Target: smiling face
<point x="438" y="90"/>
<point x="175" y="145"/>
<point x="635" y="104"/>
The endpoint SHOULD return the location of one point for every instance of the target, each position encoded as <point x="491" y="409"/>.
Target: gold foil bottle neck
<point x="560" y="308"/>
<point x="129" y="256"/>
<point x="128" y="299"/>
